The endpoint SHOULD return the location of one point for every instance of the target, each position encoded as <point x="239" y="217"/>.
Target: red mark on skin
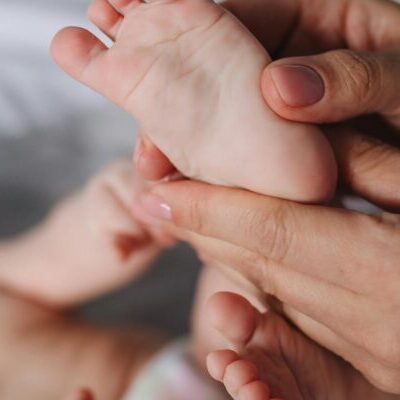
<point x="126" y="244"/>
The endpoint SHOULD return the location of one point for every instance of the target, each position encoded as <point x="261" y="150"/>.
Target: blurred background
<point x="54" y="135"/>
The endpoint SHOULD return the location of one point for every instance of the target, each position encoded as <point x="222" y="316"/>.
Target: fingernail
<point x="156" y="207"/>
<point x="298" y="85"/>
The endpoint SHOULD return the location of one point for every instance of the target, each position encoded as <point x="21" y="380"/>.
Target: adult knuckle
<point x="360" y="74"/>
<point x="270" y="227"/>
<point x="257" y="270"/>
<point x="194" y="220"/>
<point x="251" y="260"/>
<point x="364" y="149"/>
<point x="382" y="237"/>
<point x="368" y="156"/>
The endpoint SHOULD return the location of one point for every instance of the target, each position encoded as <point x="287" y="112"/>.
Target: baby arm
<point x="46" y="354"/>
<point x="90" y="243"/>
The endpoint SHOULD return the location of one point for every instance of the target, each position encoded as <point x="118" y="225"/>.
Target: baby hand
<point x="91" y="243"/>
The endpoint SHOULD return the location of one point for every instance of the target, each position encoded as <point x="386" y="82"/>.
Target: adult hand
<point x="324" y="264"/>
<point x="340" y="84"/>
<point x="337" y="272"/>
<point x="355" y="72"/>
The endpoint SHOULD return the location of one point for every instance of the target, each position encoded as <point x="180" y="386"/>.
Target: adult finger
<point x="305" y="238"/>
<point x="298" y="291"/>
<point x="369" y="167"/>
<point x="367" y="360"/>
<point x="334" y="86"/>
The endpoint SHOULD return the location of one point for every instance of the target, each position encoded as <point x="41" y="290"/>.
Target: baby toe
<point x="123" y="6"/>
<point x="105" y="17"/>
<point x="239" y="374"/>
<point x="233" y="316"/>
<point x="218" y="361"/>
<point x="76" y="49"/>
<point x="256" y="390"/>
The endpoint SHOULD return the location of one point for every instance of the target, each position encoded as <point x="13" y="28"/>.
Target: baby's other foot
<point x="189" y="72"/>
<point x="237" y="320"/>
<point x="267" y="359"/>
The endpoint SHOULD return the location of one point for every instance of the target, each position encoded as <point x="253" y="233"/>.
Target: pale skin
<point x="181" y="68"/>
<point x="89" y="244"/>
<point x="360" y="80"/>
<point x="336" y="117"/>
<point x="46" y="354"/>
<point x="103" y="239"/>
<point x="107" y="349"/>
<point x="69" y="353"/>
<point x="327" y="266"/>
<point x="263" y="357"/>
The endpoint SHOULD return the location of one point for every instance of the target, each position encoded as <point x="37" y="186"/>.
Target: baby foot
<point x="270" y="359"/>
<point x="189" y="72"/>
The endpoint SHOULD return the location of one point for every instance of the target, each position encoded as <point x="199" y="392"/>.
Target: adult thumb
<point x="334" y="86"/>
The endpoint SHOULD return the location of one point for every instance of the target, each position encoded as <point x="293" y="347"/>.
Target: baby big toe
<point x="75" y="50"/>
<point x="233" y="316"/>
